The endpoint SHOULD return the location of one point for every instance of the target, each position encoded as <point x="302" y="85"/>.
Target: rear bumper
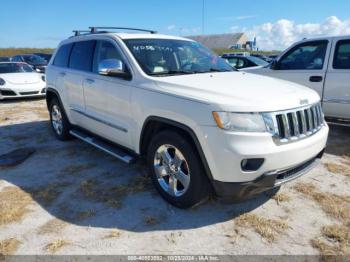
<point x="238" y="191"/>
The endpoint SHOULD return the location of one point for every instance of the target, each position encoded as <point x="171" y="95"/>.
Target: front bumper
<point x="17" y="91"/>
<point x="246" y="190"/>
<point x="225" y="151"/>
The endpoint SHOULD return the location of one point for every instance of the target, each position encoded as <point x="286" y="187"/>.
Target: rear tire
<point x="176" y="170"/>
<point x="59" y="121"/>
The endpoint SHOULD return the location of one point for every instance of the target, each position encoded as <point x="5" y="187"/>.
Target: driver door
<point x="107" y="98"/>
<point x="305" y="64"/>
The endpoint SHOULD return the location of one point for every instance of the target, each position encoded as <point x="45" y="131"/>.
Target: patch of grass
<point x="334" y="205"/>
<point x="281" y="197"/>
<point x="52" y="226"/>
<point x="17" y="138"/>
<point x="112" y="196"/>
<point x="112" y="234"/>
<point x="151" y="220"/>
<point x="49" y="193"/>
<point x="325" y="248"/>
<point x="74" y="169"/>
<point x="337" y="168"/>
<point x="268" y="229"/>
<point x="338" y="233"/>
<point x="9" y="246"/>
<point x="13" y="205"/>
<point x="139" y="184"/>
<point x="335" y="240"/>
<point x="56" y="245"/>
<point x="85" y="214"/>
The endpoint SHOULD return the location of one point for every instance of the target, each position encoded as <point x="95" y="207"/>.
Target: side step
<point x="104" y="146"/>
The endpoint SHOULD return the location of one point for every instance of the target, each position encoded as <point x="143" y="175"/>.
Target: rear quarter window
<point x="62" y="55"/>
<point x="342" y="55"/>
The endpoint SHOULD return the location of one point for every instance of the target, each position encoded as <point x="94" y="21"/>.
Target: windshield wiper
<point x="173" y="72"/>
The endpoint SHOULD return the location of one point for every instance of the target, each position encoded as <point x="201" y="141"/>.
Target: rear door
<point x="305" y="64"/>
<point x="336" y="100"/>
<point x="80" y="64"/>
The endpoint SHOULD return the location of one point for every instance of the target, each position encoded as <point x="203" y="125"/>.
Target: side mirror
<point x="113" y="67"/>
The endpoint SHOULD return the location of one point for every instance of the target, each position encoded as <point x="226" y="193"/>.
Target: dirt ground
<point x="70" y="198"/>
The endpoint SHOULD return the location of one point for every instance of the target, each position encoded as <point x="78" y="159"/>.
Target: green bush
<point x="21" y="51"/>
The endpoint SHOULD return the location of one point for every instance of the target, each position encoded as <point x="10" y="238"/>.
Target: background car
<point x="20" y="80"/>
<point x="5" y="59"/>
<point x="240" y="62"/>
<point x="47" y="57"/>
<point x="37" y="62"/>
<point x="263" y="57"/>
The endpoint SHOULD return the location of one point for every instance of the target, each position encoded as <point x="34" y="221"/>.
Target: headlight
<point x="240" y="122"/>
<point x="2" y="82"/>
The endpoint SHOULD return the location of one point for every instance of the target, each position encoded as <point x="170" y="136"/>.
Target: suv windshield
<point x="164" y="57"/>
<point x="34" y="59"/>
<point x="6" y="68"/>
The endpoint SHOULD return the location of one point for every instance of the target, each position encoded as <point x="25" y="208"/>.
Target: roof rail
<point x="94" y="29"/>
<point x="79" y="32"/>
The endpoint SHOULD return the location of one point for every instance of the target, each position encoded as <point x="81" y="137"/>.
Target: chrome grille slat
<point x="293" y="125"/>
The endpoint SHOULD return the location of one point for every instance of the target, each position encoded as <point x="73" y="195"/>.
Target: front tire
<point x="59" y="121"/>
<point x="176" y="170"/>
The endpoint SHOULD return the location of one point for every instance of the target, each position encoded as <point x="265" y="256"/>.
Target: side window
<point x="104" y="50"/>
<point x="62" y="55"/>
<point x="82" y="55"/>
<point x="342" y="55"/>
<point x="306" y="56"/>
<point x="16" y="59"/>
<point x="232" y="61"/>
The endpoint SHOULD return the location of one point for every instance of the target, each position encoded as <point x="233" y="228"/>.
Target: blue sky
<point x="40" y="23"/>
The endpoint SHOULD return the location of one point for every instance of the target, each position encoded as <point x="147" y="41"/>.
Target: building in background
<point x="225" y="41"/>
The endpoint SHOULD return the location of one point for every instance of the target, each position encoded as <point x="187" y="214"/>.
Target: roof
<point x="126" y="36"/>
<point x="218" y="41"/>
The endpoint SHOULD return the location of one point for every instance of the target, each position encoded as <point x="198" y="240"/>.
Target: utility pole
<point x="203" y="13"/>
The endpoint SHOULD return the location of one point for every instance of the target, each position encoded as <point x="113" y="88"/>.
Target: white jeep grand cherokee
<point x="201" y="125"/>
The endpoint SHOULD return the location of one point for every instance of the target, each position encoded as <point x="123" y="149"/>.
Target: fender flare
<point x="184" y="128"/>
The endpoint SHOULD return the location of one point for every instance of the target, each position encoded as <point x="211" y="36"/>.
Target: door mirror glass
<point x="112" y="67"/>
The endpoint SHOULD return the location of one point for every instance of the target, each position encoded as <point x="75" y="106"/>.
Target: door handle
<point x="316" y="78"/>
<point x="90" y="81"/>
<point x="62" y="74"/>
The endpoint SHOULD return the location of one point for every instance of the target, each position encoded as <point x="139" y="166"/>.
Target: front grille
<point x="7" y="93"/>
<point x="29" y="93"/>
<point x="293" y="125"/>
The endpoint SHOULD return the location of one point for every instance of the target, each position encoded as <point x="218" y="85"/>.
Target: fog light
<point x="252" y="164"/>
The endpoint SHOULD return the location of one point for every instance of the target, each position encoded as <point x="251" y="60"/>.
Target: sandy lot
<point x="69" y="198"/>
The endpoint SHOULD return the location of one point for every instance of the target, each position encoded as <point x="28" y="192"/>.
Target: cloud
<point x="281" y="34"/>
<point x="242" y="17"/>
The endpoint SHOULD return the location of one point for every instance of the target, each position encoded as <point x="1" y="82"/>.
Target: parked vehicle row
<point x="240" y="62"/>
<point x="18" y="79"/>
<point x="323" y="64"/>
<point x="38" y="61"/>
<point x="201" y="125"/>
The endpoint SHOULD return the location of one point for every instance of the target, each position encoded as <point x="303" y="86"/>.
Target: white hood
<point x="21" y="78"/>
<point x="239" y="91"/>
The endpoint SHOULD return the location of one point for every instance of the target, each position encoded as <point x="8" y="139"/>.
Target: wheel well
<point x="156" y="125"/>
<point x="49" y="96"/>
